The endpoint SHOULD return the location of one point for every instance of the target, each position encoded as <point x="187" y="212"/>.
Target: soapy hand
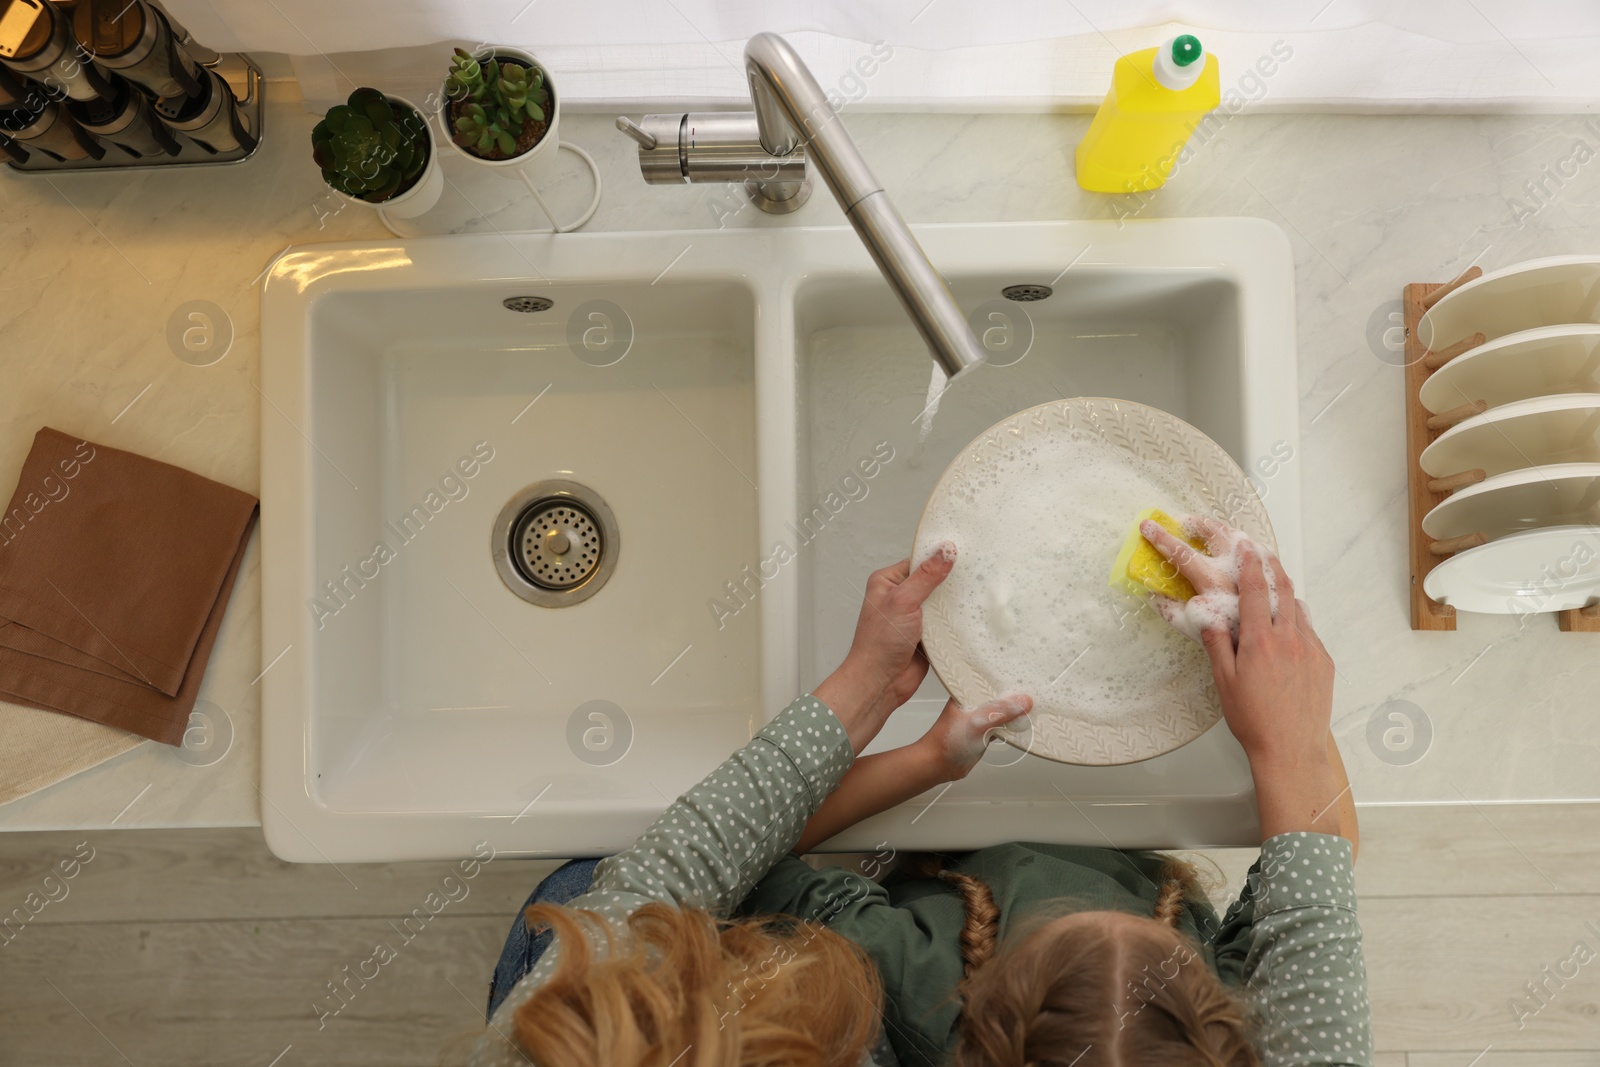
<point x="885" y="663"/>
<point x="1277" y="695"/>
<point x="1215" y="577"/>
<point x="1273" y="674"/>
<point x="1207" y="573"/>
<point x="957" y="740"/>
<point x="1277" y="684"/>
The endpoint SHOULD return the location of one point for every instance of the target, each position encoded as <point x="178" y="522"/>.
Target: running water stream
<point x="936" y="388"/>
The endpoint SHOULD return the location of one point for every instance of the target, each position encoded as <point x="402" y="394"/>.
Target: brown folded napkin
<point x="115" y="572"/>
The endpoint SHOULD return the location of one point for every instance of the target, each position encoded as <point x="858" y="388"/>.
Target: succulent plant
<point x="465" y="78"/>
<point x="484" y="130"/>
<point x="513" y="87"/>
<point x="370" y="148"/>
<point x="498" y="97"/>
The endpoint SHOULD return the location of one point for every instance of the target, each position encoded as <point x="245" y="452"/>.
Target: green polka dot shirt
<point x="1291" y="943"/>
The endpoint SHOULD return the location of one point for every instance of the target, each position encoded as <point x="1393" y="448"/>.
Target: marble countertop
<point x="94" y="267"/>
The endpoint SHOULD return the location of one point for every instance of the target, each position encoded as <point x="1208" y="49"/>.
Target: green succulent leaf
<point x="465" y="79"/>
<point x="513" y="80"/>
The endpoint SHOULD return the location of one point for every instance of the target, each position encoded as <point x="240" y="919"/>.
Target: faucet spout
<point x="792" y="112"/>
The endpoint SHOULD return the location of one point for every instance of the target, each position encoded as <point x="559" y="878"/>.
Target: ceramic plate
<point x="1526" y="296"/>
<point x="1524" y="433"/>
<point x="1552" y="359"/>
<point x="1553" y="569"/>
<point x="1040" y="543"/>
<point x="1560" y="494"/>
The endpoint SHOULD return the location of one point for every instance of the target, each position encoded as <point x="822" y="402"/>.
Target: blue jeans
<point x="523" y="948"/>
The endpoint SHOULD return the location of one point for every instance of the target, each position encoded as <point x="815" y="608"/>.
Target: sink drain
<point x="555" y="543"/>
<point x="528" y="305"/>
<point x="1025" y="294"/>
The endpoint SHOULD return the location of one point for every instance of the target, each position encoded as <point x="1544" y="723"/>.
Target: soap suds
<point x="1002" y="619"/>
<point x="1028" y="598"/>
<point x="1213" y="609"/>
<point x="965" y="747"/>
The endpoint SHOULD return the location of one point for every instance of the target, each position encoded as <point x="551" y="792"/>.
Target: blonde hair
<point x="676" y="988"/>
<point x="1093" y="988"/>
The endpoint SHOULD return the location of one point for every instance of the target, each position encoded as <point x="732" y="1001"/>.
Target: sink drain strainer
<point x="1025" y="294"/>
<point x="555" y="543"/>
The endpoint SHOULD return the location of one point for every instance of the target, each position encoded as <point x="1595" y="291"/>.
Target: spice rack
<point x="119" y="84"/>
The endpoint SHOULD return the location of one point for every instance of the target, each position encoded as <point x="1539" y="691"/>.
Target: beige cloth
<point x="40" y="748"/>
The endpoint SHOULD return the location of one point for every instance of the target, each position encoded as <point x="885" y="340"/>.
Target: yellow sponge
<point x="1140" y="566"/>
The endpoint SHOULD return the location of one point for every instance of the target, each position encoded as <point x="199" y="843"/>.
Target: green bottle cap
<point x="1186" y="49"/>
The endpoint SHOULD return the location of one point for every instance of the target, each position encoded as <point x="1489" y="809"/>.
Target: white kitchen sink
<point x="427" y="707"/>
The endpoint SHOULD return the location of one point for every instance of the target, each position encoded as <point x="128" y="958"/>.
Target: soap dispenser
<point x="1157" y="98"/>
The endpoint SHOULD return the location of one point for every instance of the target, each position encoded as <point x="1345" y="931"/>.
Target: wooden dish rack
<point x="1425" y="492"/>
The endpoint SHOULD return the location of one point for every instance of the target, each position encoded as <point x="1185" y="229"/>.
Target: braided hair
<point x="1082" y="986"/>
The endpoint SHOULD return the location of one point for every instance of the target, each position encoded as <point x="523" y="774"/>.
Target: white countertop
<point x="93" y="266"/>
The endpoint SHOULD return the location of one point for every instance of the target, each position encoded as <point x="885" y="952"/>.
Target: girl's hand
<point x="878" y="782"/>
<point x="885" y="663"/>
<point x="955" y="743"/>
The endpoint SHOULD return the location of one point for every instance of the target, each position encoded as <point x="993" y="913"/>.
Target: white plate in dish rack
<point x="1554" y="569"/>
<point x="1557" y="494"/>
<point x="1524" y="296"/>
<point x="1524" y="433"/>
<point x="1542" y="362"/>
<point x="1172" y="713"/>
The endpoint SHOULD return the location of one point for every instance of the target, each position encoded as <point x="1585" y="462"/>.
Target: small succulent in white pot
<point x="378" y="150"/>
<point x="499" y="107"/>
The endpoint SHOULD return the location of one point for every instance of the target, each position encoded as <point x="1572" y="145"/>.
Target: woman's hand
<point x="885" y="663"/>
<point x="1207" y="573"/>
<point x="1210" y="572"/>
<point x="1276" y="683"/>
<point x="955" y="743"/>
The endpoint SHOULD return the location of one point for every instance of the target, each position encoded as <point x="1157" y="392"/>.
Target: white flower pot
<point x="425" y="193"/>
<point x="537" y="160"/>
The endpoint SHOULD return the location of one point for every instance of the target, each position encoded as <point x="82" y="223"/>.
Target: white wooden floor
<point x="172" y="948"/>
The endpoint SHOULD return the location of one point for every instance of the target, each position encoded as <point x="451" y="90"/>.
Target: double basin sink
<point x="738" y="429"/>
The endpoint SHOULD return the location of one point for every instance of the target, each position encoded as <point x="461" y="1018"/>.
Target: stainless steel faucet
<point x="767" y="150"/>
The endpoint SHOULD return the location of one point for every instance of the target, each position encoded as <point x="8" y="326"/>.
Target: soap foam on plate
<point x="1028" y="600"/>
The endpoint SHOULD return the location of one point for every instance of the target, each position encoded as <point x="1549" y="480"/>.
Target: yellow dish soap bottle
<point x="1157" y="98"/>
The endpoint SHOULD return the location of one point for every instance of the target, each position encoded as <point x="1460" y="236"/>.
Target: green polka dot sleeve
<point x="711" y="845"/>
<point x="1304" y="970"/>
<point x="722" y="836"/>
